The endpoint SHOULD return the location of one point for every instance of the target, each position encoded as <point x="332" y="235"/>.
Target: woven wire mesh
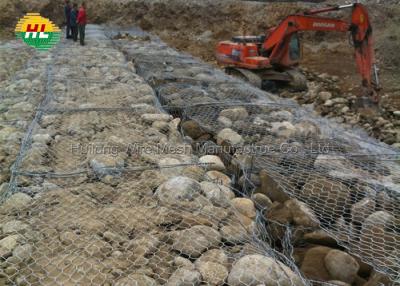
<point x="353" y="196"/>
<point x="330" y="173"/>
<point x="68" y="220"/>
<point x="159" y="217"/>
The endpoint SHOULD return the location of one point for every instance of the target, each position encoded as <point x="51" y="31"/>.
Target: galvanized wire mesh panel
<point x="74" y="94"/>
<point x="353" y="196"/>
<point x="183" y="231"/>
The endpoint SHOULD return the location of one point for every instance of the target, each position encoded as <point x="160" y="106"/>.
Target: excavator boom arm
<point x="360" y="27"/>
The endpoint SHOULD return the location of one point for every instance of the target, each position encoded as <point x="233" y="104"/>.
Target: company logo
<point x="323" y="25"/>
<point x="37" y="32"/>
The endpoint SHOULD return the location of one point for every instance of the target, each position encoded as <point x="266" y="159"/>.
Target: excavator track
<point x="245" y="75"/>
<point x="293" y="77"/>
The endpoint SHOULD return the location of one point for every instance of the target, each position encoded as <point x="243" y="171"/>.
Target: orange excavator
<point x="267" y="59"/>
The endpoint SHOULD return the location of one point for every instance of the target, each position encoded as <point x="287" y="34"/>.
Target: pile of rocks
<point x="129" y="217"/>
<point x="326" y="188"/>
<point x="325" y="94"/>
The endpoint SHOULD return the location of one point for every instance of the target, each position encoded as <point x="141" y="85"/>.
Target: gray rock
<point x="181" y="262"/>
<point x="167" y="169"/>
<point x="213" y="255"/>
<point x="362" y="209"/>
<point x="253" y="270"/>
<point x="325" y="95"/>
<point x="150" y="118"/>
<point x="219" y="195"/>
<point x="212" y="273"/>
<point x="282" y="115"/>
<point x="177" y="189"/>
<point x="229" y="136"/>
<point x="377" y="234"/>
<point x="23" y="252"/>
<point x="218" y="178"/>
<point x="234" y="114"/>
<point x="105" y="164"/>
<point x="184" y="277"/>
<point x="215" y="162"/>
<point x="17" y="201"/>
<point x="307" y="129"/>
<point x="283" y="129"/>
<point x="137" y="280"/>
<point x="15" y="226"/>
<point x="226" y="122"/>
<point x="8" y="244"/>
<point x="195" y="240"/>
<point x="235" y="234"/>
<point x="341" y="266"/>
<point x="42" y="138"/>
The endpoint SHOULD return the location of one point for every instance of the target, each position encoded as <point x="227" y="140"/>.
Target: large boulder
<point x="302" y="214"/>
<point x="341" y="266"/>
<point x="253" y="270"/>
<point x="271" y="188"/>
<point x="177" y="189"/>
<point x="244" y="206"/>
<point x="377" y="236"/>
<point x="214" y="163"/>
<point x="313" y="265"/>
<point x="195" y="240"/>
<point x="328" y="199"/>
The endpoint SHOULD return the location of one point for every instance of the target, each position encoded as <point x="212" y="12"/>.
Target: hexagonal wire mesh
<point x="353" y="196"/>
<point x="81" y="229"/>
<point x="338" y="173"/>
<point x="135" y="228"/>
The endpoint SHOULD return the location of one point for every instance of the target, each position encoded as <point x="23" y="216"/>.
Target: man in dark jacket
<point x="67" y="14"/>
<point x="73" y="21"/>
<point x="82" y="21"/>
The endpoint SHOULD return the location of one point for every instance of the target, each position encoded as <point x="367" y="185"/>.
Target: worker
<point x="67" y="14"/>
<point x="73" y="21"/>
<point x="81" y="20"/>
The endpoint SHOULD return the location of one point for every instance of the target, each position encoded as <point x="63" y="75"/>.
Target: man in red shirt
<point x="82" y="20"/>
